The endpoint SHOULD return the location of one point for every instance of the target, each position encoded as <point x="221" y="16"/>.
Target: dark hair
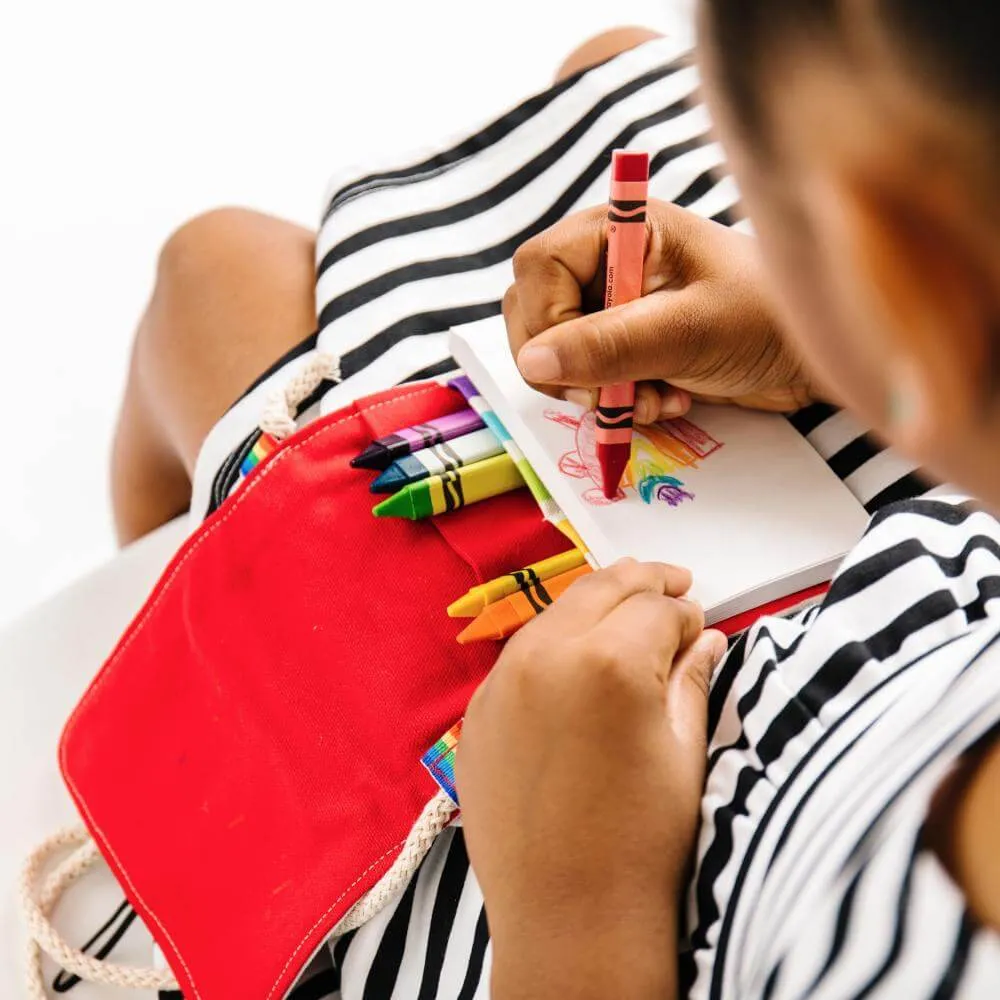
<point x="948" y="46"/>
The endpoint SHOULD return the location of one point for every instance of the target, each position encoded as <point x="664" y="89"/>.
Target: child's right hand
<point x="580" y="773"/>
<point x="705" y="326"/>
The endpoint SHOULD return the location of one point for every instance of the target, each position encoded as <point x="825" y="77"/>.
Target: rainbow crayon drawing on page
<point x="626" y="253"/>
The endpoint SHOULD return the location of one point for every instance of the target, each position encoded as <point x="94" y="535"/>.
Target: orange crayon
<point x="503" y="618"/>
<point x="626" y="254"/>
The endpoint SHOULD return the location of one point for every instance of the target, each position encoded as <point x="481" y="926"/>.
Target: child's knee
<point x="220" y="276"/>
<point x="234" y="291"/>
<point x="602" y="47"/>
<point x="199" y="266"/>
<point x="203" y="248"/>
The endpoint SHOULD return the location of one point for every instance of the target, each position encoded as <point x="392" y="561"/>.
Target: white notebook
<point x="739" y="497"/>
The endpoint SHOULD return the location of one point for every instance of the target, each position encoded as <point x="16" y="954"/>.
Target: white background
<point x="120" y="119"/>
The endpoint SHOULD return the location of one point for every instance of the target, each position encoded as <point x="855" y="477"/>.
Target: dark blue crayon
<point x="437" y="460"/>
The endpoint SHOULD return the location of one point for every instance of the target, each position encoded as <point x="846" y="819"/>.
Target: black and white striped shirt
<point x="829" y="732"/>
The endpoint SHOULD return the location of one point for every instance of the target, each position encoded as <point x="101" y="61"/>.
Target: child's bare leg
<point x="234" y="291"/>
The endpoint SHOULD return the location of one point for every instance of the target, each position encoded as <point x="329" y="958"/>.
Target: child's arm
<point x="580" y="775"/>
<point x="964" y="828"/>
<point x="705" y="324"/>
<point x="632" y="957"/>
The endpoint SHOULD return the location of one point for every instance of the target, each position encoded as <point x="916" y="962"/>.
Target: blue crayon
<point x="437" y="460"/>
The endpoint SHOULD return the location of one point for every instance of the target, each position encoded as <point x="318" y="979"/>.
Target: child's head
<point x="866" y="137"/>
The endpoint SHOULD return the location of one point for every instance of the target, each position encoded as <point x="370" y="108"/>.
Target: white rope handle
<point x="43" y="937"/>
<point x="278" y="418"/>
<point x="435" y="817"/>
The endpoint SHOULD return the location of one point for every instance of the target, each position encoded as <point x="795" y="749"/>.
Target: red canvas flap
<point x="248" y="757"/>
<point x="385" y="413"/>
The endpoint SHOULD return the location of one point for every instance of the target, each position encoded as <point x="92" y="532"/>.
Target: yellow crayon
<point x="472" y="603"/>
<point x="503" y="618"/>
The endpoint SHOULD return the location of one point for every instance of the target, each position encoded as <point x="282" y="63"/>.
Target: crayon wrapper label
<point x="440" y="761"/>
<point x="616" y="437"/>
<point x="630" y="191"/>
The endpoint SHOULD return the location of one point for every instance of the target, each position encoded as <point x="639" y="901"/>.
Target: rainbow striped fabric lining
<point x="264" y="446"/>
<point x="440" y="761"/>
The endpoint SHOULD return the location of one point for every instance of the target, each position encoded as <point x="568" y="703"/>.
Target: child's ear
<point x="930" y="299"/>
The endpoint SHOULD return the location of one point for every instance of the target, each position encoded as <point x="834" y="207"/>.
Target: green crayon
<point x="453" y="490"/>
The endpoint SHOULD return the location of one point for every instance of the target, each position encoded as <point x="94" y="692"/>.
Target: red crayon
<point x="626" y="254"/>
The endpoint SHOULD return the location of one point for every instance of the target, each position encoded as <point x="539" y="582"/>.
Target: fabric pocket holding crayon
<point x="248" y="759"/>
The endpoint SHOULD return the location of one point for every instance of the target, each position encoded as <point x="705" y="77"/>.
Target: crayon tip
<point x="613" y="460"/>
<point x="629" y="165"/>
<point x="496" y="621"/>
<point x="398" y="505"/>
<point x="467" y="606"/>
<point x="478" y="631"/>
<point x="375" y="456"/>
<point x="389" y="481"/>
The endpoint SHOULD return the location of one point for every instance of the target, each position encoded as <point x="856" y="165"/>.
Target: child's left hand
<point x="580" y="774"/>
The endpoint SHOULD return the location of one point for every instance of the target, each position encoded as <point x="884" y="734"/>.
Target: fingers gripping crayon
<point x="453" y="490"/>
<point x="626" y="253"/>
<point x="382" y="453"/>
<point x="502" y="619"/>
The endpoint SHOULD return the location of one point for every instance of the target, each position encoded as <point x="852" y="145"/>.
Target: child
<point x="851" y="802"/>
<point x="847" y="802"/>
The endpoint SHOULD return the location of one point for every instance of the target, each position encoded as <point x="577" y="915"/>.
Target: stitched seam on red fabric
<point x="127" y="640"/>
<point x="312" y="930"/>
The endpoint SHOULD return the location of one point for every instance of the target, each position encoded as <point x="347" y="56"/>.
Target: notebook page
<point x="738" y="497"/>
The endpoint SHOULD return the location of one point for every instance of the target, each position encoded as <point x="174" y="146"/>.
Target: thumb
<point x="690" y="683"/>
<point x="629" y="343"/>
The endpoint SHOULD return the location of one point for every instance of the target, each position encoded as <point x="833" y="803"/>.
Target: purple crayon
<point x="382" y="453"/>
